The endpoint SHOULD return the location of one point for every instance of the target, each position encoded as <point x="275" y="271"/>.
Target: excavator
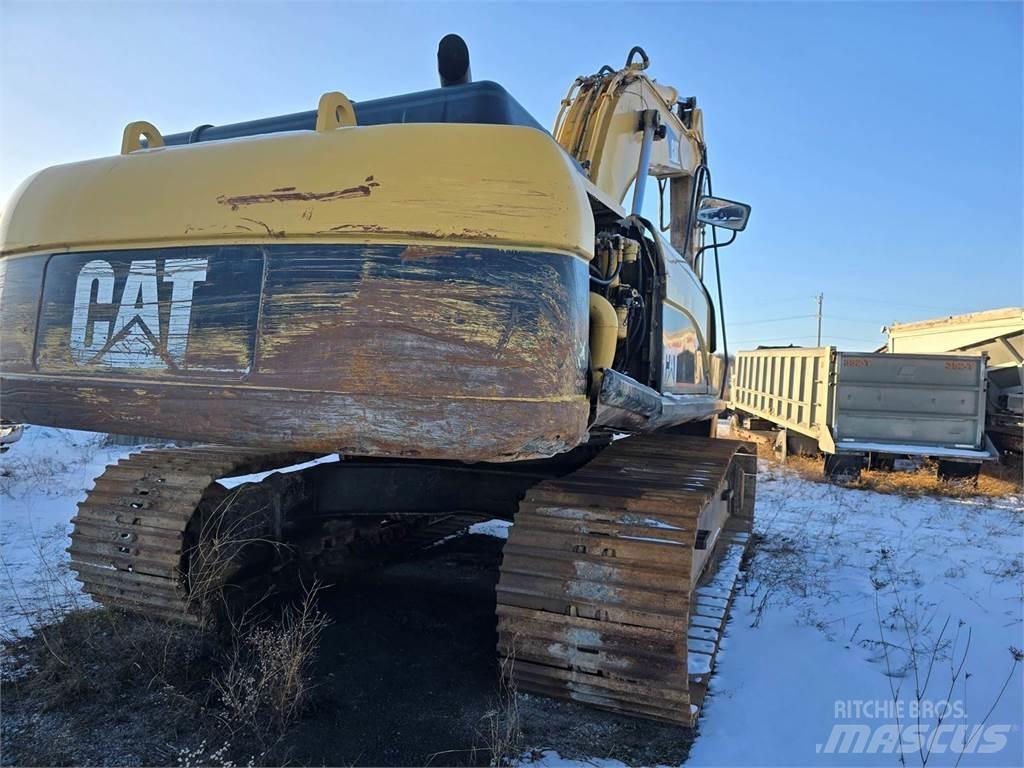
<point x="391" y="317"/>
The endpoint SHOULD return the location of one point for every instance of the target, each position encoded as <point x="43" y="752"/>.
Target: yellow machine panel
<point x="389" y="183"/>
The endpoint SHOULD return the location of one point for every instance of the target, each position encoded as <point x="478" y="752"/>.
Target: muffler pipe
<point x="453" y="61"/>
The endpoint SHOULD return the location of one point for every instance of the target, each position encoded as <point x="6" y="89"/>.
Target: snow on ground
<point x="42" y="479"/>
<point x="847" y="589"/>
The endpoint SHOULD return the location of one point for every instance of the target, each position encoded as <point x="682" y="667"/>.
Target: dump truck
<point x="857" y="407"/>
<point x="462" y="307"/>
<point x="999" y="335"/>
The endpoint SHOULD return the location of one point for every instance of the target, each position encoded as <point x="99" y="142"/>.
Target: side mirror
<point x="719" y="212"/>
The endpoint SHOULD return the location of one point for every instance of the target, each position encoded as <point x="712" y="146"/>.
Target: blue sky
<point x="880" y="144"/>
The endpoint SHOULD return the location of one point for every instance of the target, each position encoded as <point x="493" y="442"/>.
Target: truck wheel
<point x="959" y="471"/>
<point x="881" y="462"/>
<point x="843" y="467"/>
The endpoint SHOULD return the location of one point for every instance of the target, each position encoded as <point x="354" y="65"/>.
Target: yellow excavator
<point x="470" y="313"/>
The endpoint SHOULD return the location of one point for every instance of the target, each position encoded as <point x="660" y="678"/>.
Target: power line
<point x="771" y="320"/>
<point x="825" y="316"/>
<point x="850" y="319"/>
<point x="808" y="336"/>
<point x="776" y="338"/>
<point x="776" y="302"/>
<point x="819" y="316"/>
<point x="891" y="303"/>
<point x="861" y="299"/>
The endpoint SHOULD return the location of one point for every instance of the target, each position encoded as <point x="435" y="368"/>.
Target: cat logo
<point x="134" y="339"/>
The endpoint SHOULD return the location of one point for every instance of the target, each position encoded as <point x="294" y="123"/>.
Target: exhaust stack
<point x="453" y="61"/>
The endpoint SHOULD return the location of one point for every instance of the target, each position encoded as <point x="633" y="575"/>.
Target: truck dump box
<point x="866" y="403"/>
<point x="999" y="333"/>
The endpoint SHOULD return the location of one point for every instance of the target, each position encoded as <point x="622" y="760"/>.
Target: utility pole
<point x="819" y="298"/>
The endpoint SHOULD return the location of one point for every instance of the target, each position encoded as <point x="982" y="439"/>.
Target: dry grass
<point x="995" y="480"/>
<point x="265" y="683"/>
<point x="169" y="683"/>
<point x="72" y="647"/>
<point x="40" y="601"/>
<point x="918" y="482"/>
<point x="74" y="663"/>
<point x="94" y="653"/>
<point x="252" y="677"/>
<point x="500" y="734"/>
<point x="926" y="646"/>
<point x="502" y="726"/>
<point x="234" y="533"/>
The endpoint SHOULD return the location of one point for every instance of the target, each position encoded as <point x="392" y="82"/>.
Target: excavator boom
<point x="602" y="119"/>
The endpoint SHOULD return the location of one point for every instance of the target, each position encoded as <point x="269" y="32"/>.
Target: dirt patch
<point x="409" y="676"/>
<point x="405" y="675"/>
<point x="100" y="688"/>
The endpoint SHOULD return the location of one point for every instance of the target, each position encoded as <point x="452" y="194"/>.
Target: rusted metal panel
<point x="927" y="400"/>
<point x="21" y="281"/>
<point x="380" y="350"/>
<point x="364" y="425"/>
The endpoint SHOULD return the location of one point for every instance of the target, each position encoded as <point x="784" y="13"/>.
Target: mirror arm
<point x="701" y="178"/>
<point x="716" y="246"/>
<point x="721" y="310"/>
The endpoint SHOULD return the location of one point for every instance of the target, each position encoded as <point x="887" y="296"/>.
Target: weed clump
<point x="265" y="680"/>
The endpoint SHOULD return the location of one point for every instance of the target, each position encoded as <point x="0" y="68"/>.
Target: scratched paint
<point x="366" y="425"/>
<point x="468" y="353"/>
<point x="448" y="322"/>
<point x="291" y="194"/>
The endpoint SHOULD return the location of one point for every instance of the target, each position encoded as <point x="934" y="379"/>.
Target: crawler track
<point x="146" y="529"/>
<point x="597" y="600"/>
<point x="129" y="544"/>
<point x="615" y="583"/>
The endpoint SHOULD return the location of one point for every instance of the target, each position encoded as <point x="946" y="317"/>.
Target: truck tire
<point x="843" y="467"/>
<point x="958" y="471"/>
<point x="881" y="462"/>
